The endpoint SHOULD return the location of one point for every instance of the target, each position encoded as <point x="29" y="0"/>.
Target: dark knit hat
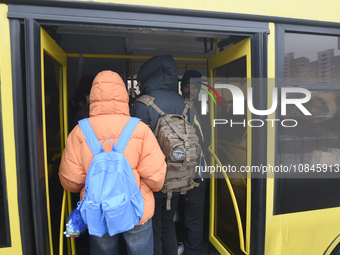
<point x="188" y="75"/>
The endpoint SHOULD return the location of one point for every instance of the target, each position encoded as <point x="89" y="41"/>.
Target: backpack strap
<point x="188" y="105"/>
<point x="148" y="101"/>
<point x="145" y="99"/>
<point x="126" y="134"/>
<point x="197" y="123"/>
<point x="90" y="136"/>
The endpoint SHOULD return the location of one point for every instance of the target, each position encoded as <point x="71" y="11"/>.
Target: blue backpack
<point x="112" y="202"/>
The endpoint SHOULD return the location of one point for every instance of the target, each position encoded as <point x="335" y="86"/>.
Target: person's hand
<point x="132" y="92"/>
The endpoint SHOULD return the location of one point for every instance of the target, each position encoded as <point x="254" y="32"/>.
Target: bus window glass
<point x="53" y="85"/>
<point x="312" y="147"/>
<point x="232" y="151"/>
<point x="314" y="59"/>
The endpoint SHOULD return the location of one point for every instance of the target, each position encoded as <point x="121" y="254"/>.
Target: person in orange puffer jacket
<point x="109" y="112"/>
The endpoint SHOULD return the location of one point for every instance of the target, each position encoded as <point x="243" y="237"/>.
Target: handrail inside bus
<point x="66" y="203"/>
<point x="233" y="197"/>
<point x="234" y="161"/>
<point x="241" y="147"/>
<point x="62" y="218"/>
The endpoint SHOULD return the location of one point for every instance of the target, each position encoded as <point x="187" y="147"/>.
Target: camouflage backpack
<point x="180" y="145"/>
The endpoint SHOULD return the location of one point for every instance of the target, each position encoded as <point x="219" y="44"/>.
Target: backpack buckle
<point x="168" y="201"/>
<point x="183" y="192"/>
<point x="169" y="195"/>
<point x="193" y="183"/>
<point x="187" y="145"/>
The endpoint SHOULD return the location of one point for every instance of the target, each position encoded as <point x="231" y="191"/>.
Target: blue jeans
<point x="139" y="240"/>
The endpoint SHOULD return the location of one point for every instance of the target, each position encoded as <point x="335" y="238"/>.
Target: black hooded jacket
<point x="158" y="78"/>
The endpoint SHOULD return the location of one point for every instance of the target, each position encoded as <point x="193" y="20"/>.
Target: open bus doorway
<point x="91" y="50"/>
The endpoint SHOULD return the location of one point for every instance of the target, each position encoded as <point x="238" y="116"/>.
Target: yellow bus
<point x="46" y="46"/>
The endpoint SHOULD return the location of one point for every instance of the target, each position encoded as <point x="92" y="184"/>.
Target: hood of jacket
<point x="158" y="73"/>
<point x="108" y="95"/>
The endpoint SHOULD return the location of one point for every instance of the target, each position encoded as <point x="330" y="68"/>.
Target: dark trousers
<point x="192" y="206"/>
<point x="164" y="232"/>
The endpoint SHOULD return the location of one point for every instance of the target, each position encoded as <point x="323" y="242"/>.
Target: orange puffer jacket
<point x="109" y="113"/>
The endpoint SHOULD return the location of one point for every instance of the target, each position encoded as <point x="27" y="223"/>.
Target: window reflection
<point x="312" y="62"/>
<point x="311" y="58"/>
<point x="313" y="134"/>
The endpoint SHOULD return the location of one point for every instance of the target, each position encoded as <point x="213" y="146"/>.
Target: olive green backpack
<point x="180" y="145"/>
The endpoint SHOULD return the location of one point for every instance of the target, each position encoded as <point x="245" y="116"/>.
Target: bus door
<point x="47" y="94"/>
<point x="230" y="149"/>
<point x="10" y="238"/>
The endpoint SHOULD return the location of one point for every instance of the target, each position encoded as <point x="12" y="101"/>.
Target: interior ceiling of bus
<point x="153" y="42"/>
<point x="132" y="41"/>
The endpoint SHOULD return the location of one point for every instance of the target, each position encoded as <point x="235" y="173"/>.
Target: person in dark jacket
<point x="191" y="91"/>
<point x="158" y="79"/>
<point x="191" y="205"/>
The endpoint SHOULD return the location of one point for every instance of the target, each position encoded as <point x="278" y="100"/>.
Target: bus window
<point x="229" y="193"/>
<point x="314" y="60"/>
<point x="313" y="63"/>
<point x="53" y="83"/>
<point x="229" y="137"/>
